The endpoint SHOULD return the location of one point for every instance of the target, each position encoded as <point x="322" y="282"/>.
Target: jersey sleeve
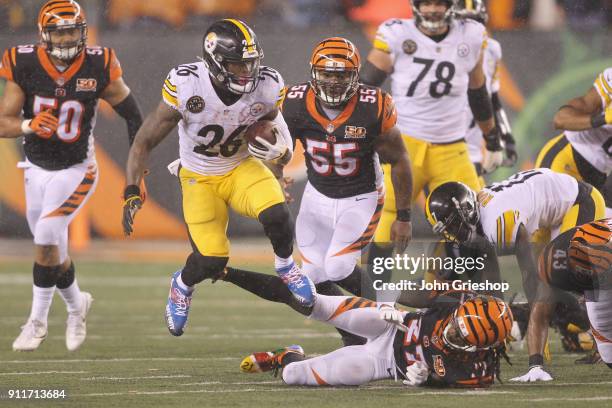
<point x="477" y="38"/>
<point x="170" y="91"/>
<point x="496" y="54"/>
<point x="7" y="64"/>
<point x="388" y="114"/>
<point x="386" y="36"/>
<point x="111" y="63"/>
<point x="603" y="85"/>
<point x="507" y="226"/>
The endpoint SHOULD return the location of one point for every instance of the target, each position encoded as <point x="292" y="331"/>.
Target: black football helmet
<point x="232" y="55"/>
<point x="474" y="9"/>
<point x="433" y="22"/>
<point x="452" y="210"/>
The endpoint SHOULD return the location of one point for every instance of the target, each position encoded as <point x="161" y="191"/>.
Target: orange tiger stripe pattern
<point x="590" y="248"/>
<point x="484" y="321"/>
<point x="318" y="378"/>
<point x="77" y="197"/>
<point x="56" y="11"/>
<point x="335" y="53"/>
<point x="367" y="235"/>
<point x="350" y="304"/>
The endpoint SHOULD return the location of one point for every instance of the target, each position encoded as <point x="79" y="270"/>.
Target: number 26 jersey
<point x="429" y="81"/>
<point x="210" y="132"/>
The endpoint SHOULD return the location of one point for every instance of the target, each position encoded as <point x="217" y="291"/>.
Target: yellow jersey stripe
<point x="169" y="98"/>
<point x="169" y="85"/>
<point x="499" y="233"/>
<point x="170" y="91"/>
<point x="380" y="44"/>
<point x="605" y="83"/>
<point x="508" y="227"/>
<point x="243" y="29"/>
<point x="469" y="5"/>
<point x="604" y="95"/>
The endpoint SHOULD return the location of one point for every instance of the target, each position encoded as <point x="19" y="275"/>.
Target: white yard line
<point x="150" y="377"/>
<point x="119" y="360"/>
<point x="568" y="399"/>
<point x="44" y="372"/>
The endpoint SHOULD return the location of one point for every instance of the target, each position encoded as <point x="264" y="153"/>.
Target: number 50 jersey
<point x="430" y="79"/>
<point x="210" y="132"/>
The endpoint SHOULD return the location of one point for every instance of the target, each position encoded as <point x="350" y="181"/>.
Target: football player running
<point x="212" y="102"/>
<point x="491" y="60"/>
<point x="579" y="261"/>
<point x="50" y="98"/>
<point x="507" y="214"/>
<point x="436" y="70"/>
<point x="345" y="128"/>
<point x="584" y="149"/>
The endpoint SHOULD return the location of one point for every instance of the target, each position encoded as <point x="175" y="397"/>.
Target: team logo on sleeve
<point x="463" y="50"/>
<point x="409" y="47"/>
<point x="195" y="104"/>
<point x="86" y="85"/>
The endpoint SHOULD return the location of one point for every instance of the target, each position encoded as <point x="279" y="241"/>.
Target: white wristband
<point x="25" y="127"/>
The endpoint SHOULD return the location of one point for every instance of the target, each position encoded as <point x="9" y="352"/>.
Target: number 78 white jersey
<point x="430" y="79"/>
<point x="210" y="132"/>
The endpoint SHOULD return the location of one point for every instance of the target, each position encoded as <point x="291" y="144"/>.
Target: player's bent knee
<point x="278" y="226"/>
<point x="49" y="231"/>
<point x="297" y="374"/>
<point x="338" y="268"/>
<point x="199" y="267"/>
<point x="356" y="371"/>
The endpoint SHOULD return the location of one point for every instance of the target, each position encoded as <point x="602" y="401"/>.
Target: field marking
<point x="45" y="372"/>
<point x="555" y="384"/>
<point x="121" y="360"/>
<point x="150" y="377"/>
<point x="548" y="399"/>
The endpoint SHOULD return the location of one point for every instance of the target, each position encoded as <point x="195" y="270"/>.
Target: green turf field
<point x="130" y="360"/>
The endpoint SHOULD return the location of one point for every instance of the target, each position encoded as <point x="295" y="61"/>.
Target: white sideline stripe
<point x="150" y="377"/>
<point x="567" y="399"/>
<point x="554" y="383"/>
<point x="45" y="372"/>
<point x="232" y="383"/>
<point x="120" y="360"/>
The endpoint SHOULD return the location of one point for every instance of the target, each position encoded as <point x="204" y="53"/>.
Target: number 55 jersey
<point x="210" y="132"/>
<point x="71" y="96"/>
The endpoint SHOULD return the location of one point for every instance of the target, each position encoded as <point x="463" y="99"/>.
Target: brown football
<point x="263" y="129"/>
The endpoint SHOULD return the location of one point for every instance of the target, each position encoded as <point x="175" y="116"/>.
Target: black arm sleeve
<point x="480" y="103"/>
<point x="372" y="75"/>
<point x="128" y="109"/>
<point x="496" y="102"/>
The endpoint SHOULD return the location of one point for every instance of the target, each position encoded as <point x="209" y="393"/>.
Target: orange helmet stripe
<point x="337" y="49"/>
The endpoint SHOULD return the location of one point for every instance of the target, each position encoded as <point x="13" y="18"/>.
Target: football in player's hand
<point x="262" y="128"/>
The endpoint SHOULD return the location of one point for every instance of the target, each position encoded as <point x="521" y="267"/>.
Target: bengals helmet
<point x="474" y="9"/>
<point x="433" y="21"/>
<point x="452" y="211"/>
<point x="58" y="15"/>
<point x="478" y="323"/>
<point x="334" y="70"/>
<point x="590" y="251"/>
<point x="232" y="55"/>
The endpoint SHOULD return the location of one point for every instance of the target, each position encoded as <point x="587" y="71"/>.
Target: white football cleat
<point x="32" y="334"/>
<point x="76" y="327"/>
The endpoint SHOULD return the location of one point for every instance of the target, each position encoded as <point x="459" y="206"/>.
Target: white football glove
<point x="492" y="160"/>
<point x="416" y="374"/>
<point x="391" y="315"/>
<point x="270" y="152"/>
<point x="535" y="373"/>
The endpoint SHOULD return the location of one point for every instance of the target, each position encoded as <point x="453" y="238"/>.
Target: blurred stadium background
<point x="552" y="51"/>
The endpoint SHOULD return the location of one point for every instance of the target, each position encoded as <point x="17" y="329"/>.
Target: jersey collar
<point x="60" y="78"/>
<point x="329" y="125"/>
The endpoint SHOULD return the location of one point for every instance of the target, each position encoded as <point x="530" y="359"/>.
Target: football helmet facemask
<point x="452" y="210"/>
<point x="334" y="70"/>
<point x="63" y="17"/>
<point x="478" y="323"/>
<point x="433" y="21"/>
<point x="233" y="55"/>
<point x="474" y="9"/>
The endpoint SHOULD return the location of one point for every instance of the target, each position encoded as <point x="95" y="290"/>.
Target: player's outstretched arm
<point x="118" y="95"/>
<point x="582" y="113"/>
<point x="10" y="111"/>
<point x="155" y="128"/>
<point x="377" y="68"/>
<point x="390" y="147"/>
<point x="527" y="263"/>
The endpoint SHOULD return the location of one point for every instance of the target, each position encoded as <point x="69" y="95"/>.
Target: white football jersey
<point x="210" y="132"/>
<point x="430" y="79"/>
<point x="595" y="145"/>
<point x="537" y="198"/>
<point x="492" y="55"/>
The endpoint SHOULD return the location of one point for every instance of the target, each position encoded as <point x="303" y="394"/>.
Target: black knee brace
<point x="278" y="226"/>
<point x="67" y="278"/>
<point x="609" y="365"/>
<point x="199" y="267"/>
<point x="46" y="276"/>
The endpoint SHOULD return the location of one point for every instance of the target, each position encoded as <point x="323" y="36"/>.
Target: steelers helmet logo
<point x="463" y="50"/>
<point x="195" y="104"/>
<point x="409" y="47"/>
<point x="210" y="42"/>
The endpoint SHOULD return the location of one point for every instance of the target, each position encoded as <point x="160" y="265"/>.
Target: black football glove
<point x="493" y="156"/>
<point x="511" y="153"/>
<point x="131" y="205"/>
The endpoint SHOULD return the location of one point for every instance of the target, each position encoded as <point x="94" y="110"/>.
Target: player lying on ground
<point x="579" y="260"/>
<point x="50" y="98"/>
<point x="213" y="102"/>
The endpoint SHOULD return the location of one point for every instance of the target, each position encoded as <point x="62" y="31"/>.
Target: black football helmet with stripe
<point x="452" y="211"/>
<point x="232" y="55"/>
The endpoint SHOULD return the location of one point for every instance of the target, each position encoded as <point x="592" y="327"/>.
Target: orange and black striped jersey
<point x="71" y="95"/>
<point x="449" y="368"/>
<point x="579" y="259"/>
<point x="340" y="154"/>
